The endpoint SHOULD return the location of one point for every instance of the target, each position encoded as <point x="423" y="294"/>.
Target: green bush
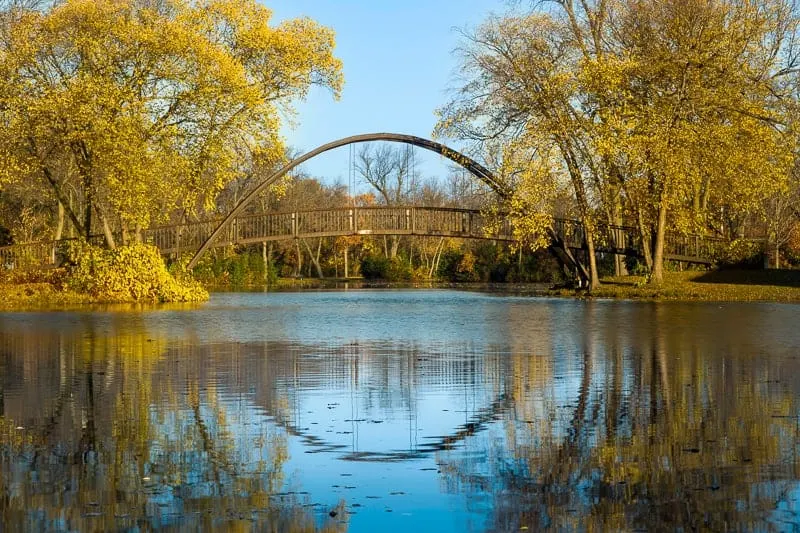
<point x="128" y="274"/>
<point x="399" y="270"/>
<point x="457" y="265"/>
<point x="379" y="267"/>
<point x="374" y="267"/>
<point x="238" y="270"/>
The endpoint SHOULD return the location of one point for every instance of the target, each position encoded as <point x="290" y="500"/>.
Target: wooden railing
<point x="421" y="221"/>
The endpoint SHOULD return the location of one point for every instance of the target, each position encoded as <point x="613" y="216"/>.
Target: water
<point x="401" y="411"/>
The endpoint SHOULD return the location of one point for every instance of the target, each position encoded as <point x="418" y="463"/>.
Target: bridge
<point x="240" y="228"/>
<point x="567" y="235"/>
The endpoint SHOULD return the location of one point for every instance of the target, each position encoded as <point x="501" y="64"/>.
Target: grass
<point x="719" y="285"/>
<point x="41" y="295"/>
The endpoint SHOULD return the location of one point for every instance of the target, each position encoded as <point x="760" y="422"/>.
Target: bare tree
<point x="389" y="171"/>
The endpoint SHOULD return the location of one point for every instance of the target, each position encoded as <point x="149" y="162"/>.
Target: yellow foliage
<point x="128" y="274"/>
<point x="147" y="108"/>
<point x="676" y="115"/>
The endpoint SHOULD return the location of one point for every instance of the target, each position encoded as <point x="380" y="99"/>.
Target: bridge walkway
<point x="567" y="235"/>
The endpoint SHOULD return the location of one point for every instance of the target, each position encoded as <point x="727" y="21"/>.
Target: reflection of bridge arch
<point x="476" y="424"/>
<point x="475" y="168"/>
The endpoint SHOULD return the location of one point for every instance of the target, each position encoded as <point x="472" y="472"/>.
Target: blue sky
<point x="398" y="65"/>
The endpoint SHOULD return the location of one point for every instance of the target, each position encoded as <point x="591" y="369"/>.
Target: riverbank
<point x="24" y="296"/>
<point x="715" y="285"/>
<point x="723" y="285"/>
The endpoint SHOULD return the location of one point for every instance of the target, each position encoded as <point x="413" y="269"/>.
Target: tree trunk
<point x="620" y="268"/>
<point x="395" y="246"/>
<point x="60" y="224"/>
<point x="266" y="258"/>
<point x="314" y="260"/>
<point x="87" y="217"/>
<point x="109" y="236"/>
<point x="435" y="258"/>
<point x="594" y="278"/>
<point x="346" y="263"/>
<point x="62" y="199"/>
<point x="299" y="271"/>
<point x="125" y="234"/>
<point x="583" y="204"/>
<point x="657" y="277"/>
<point x="644" y="234"/>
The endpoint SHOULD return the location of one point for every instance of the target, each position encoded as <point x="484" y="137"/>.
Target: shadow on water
<point x="485" y="413"/>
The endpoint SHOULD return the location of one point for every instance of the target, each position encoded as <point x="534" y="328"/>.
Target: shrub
<point x="126" y="274"/>
<point x="740" y="253"/>
<point x="399" y="270"/>
<point x="379" y="267"/>
<point x="374" y="267"/>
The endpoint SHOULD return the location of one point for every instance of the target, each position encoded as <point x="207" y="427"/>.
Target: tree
<point x="145" y="107"/>
<point x="520" y="91"/>
<point x="693" y="110"/>
<point x="655" y="111"/>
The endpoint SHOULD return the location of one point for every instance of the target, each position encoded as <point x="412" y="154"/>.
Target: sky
<point x="398" y="66"/>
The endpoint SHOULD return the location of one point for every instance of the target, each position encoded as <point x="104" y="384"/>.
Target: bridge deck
<point x="336" y="222"/>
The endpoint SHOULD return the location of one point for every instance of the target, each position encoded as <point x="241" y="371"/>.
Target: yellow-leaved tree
<point x="695" y="111"/>
<point x="663" y="114"/>
<point x="133" y="110"/>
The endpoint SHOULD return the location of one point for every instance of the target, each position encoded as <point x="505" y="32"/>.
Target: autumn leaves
<point x="664" y="114"/>
<point x="137" y="112"/>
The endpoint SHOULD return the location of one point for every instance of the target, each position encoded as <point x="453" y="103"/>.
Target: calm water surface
<point x="401" y="411"/>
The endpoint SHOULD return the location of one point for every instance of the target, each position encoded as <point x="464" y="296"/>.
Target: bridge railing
<point x="259" y="227"/>
<point x="627" y="240"/>
<point x="178" y="237"/>
<point x="677" y="246"/>
<point x="29" y="255"/>
<point x="376" y="220"/>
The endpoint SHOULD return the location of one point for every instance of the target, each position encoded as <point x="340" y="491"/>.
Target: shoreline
<point x="779" y="286"/>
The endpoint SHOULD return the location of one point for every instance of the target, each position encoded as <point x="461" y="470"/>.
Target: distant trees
<point x="417" y="257"/>
<point x="663" y="114"/>
<point x="130" y="111"/>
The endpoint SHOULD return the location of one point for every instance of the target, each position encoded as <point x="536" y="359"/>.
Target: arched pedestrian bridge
<point x="240" y="227"/>
<point x="566" y="235"/>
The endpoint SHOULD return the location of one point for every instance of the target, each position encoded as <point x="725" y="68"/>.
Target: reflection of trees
<point x="113" y="440"/>
<point x="655" y="434"/>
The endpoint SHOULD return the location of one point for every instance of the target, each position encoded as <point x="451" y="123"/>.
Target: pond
<point x="401" y="410"/>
